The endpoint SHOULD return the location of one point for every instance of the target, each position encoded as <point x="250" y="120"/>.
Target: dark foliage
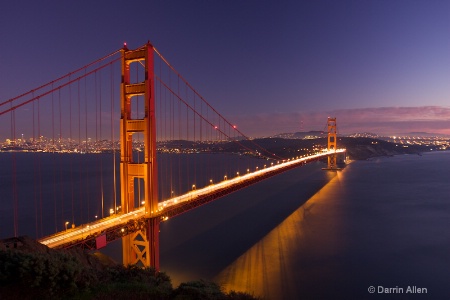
<point x="206" y="290"/>
<point x="200" y="290"/>
<point x="36" y="272"/>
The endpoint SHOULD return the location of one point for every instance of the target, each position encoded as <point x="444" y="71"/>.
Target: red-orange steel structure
<point x="142" y="246"/>
<point x="332" y="143"/>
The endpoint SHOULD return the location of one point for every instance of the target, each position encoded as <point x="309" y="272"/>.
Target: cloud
<point x="381" y="120"/>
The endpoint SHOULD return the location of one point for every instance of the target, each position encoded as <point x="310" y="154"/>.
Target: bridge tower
<point x="332" y="143"/>
<point x="141" y="247"/>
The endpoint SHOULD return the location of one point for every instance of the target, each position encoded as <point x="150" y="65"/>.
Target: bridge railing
<point x="119" y="225"/>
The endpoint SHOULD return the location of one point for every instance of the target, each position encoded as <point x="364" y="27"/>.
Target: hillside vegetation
<point x="29" y="270"/>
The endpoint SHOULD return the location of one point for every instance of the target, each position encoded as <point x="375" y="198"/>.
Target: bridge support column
<point x="141" y="247"/>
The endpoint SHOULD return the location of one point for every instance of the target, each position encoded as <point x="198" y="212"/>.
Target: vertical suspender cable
<point x="39" y="164"/>
<point x="193" y="138"/>
<point x="60" y="157"/>
<point x="70" y="147"/>
<point x="101" y="141"/>
<point x="34" y="173"/>
<point x="86" y="164"/>
<point x="80" y="159"/>
<point x="112" y="138"/>
<point x="96" y="131"/>
<point x="14" y="176"/>
<point x="180" y="188"/>
<point x="53" y="162"/>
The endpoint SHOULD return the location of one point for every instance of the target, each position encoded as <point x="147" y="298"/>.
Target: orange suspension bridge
<point x="150" y="126"/>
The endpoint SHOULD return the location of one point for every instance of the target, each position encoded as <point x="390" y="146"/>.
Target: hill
<point x="30" y="270"/>
<point x="358" y="148"/>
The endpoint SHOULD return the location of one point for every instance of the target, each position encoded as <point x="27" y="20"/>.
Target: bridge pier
<point x="142" y="247"/>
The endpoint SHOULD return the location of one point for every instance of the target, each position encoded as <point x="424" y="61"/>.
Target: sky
<point x="268" y="66"/>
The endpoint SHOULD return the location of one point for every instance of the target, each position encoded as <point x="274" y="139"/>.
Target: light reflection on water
<point x="277" y="264"/>
<point x="381" y="223"/>
<point x="203" y="242"/>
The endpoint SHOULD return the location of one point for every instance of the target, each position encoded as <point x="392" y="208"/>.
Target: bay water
<point x="382" y="224"/>
<point x="304" y="234"/>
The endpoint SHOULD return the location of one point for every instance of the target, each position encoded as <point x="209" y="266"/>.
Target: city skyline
<point x="271" y="68"/>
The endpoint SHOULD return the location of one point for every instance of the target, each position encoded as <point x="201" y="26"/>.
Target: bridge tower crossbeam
<point x="141" y="247"/>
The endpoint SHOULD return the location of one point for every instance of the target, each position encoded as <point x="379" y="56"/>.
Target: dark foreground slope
<point x="30" y="270"/>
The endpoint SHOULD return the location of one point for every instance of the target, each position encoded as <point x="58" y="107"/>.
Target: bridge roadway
<point x="118" y="225"/>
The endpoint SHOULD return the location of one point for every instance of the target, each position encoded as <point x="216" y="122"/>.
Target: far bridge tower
<point x="332" y="143"/>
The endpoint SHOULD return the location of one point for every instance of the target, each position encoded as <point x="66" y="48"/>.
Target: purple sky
<point x="269" y="66"/>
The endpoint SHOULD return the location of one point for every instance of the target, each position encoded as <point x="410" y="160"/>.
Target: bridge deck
<point x="119" y="225"/>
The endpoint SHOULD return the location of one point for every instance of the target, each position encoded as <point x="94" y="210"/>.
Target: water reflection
<point x="290" y="257"/>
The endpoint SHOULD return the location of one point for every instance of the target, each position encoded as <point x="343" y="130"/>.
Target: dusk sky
<point x="268" y="66"/>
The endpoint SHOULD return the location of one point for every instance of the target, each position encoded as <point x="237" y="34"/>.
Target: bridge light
<point x="122" y="229"/>
<point x="143" y="202"/>
<point x="248" y="170"/>
<point x="234" y="126"/>
<point x="111" y="211"/>
<point x="225" y="177"/>
<point x="237" y="173"/>
<point x="67" y="223"/>
<point x="210" y="181"/>
<point x="193" y="187"/>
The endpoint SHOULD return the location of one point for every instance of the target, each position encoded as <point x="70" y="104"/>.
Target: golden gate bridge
<point x="159" y="114"/>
